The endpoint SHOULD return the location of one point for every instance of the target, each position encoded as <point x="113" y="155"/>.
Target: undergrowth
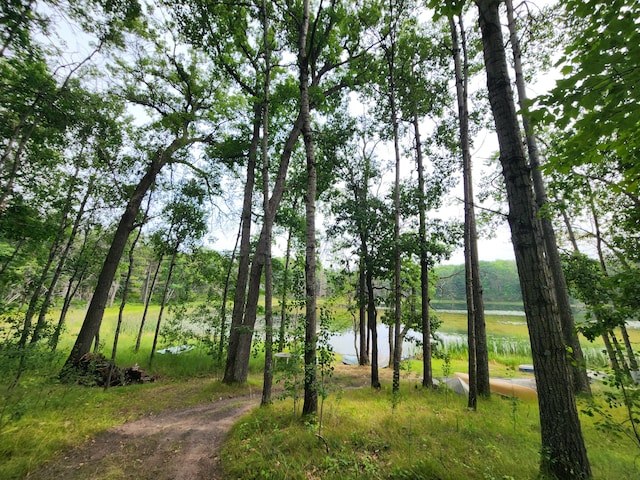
<point x="429" y="435"/>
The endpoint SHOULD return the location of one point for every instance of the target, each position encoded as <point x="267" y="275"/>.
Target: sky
<point x="499" y="247"/>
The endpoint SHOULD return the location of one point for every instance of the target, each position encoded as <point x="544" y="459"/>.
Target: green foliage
<point x="605" y="296"/>
<point x="500" y="282"/>
<point x="619" y="414"/>
<point x="289" y="369"/>
<point x="596" y="104"/>
<point x="189" y="325"/>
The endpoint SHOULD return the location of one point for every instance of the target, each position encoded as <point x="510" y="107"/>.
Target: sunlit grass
<point x="429" y="435"/>
<point x="432" y="438"/>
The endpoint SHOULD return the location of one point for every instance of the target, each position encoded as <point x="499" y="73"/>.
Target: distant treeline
<point x="499" y="282"/>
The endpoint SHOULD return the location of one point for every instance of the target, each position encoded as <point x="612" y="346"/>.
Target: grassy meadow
<point x="364" y="433"/>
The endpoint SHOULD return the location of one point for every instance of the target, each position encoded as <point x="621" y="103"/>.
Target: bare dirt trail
<point x="179" y="444"/>
<point x="174" y="445"/>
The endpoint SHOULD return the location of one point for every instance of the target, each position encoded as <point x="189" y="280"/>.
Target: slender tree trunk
<point x="13" y="255"/>
<point x="373" y="325"/>
<point x="225" y="296"/>
<point x="163" y="303"/>
<point x="578" y="364"/>
<point x="285" y="292"/>
<point x="46" y="303"/>
<point x="477" y="337"/>
<point x="240" y="295"/>
<point x="39" y="285"/>
<point x="605" y="336"/>
<point x="310" y="406"/>
<point x="363" y="358"/>
<point x="563" y="451"/>
<point x="77" y="276"/>
<point x="391" y="337"/>
<point x="390" y="55"/>
<point x="633" y="362"/>
<point x="147" y="301"/>
<point x="611" y="352"/>
<point x="427" y="372"/>
<point x="241" y="335"/>
<point x="268" y="271"/>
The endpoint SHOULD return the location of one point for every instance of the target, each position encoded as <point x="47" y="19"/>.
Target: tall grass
<point x="428" y="435"/>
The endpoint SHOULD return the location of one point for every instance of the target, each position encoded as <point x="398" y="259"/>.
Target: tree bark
<point x="268" y="271"/>
<point x="310" y="406"/>
<point x="477" y="337"/>
<point x="147" y="300"/>
<point x="225" y="296"/>
<point x="285" y="293"/>
<point x="95" y="312"/>
<point x="578" y="364"/>
<point x="373" y="325"/>
<point x="363" y="358"/>
<point x="241" y="334"/>
<point x="427" y="372"/>
<point x="240" y="295"/>
<point x="563" y="451"/>
<point x="125" y="294"/>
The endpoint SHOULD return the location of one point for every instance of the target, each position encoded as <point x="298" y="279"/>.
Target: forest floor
<point x="180" y="444"/>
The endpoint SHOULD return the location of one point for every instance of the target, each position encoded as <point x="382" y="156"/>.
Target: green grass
<point x="429" y="435"/>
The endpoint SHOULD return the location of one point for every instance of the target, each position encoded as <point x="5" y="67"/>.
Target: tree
<point x="596" y="103"/>
<point x="578" y="370"/>
<point x="187" y="224"/>
<point x="268" y="267"/>
<point x="334" y="43"/>
<point x="359" y="216"/>
<point x="563" y="451"/>
<point x="478" y="356"/>
<point x="181" y="105"/>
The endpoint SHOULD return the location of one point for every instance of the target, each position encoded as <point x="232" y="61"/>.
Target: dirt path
<point x="175" y="445"/>
<point x="181" y="444"/>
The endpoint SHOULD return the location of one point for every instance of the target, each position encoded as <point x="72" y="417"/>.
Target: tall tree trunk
<point x="125" y="295"/>
<point x="633" y="362"/>
<point x="477" y="336"/>
<point x="225" y="296"/>
<point x="373" y="324"/>
<point x="310" y="406"/>
<point x="240" y="295"/>
<point x="390" y="56"/>
<point x="578" y="364"/>
<point x="285" y="292"/>
<point x="95" y="312"/>
<point x="427" y="371"/>
<point x="241" y="334"/>
<point x="363" y="358"/>
<point x="268" y="271"/>
<point x="615" y="354"/>
<point x="563" y="451"/>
